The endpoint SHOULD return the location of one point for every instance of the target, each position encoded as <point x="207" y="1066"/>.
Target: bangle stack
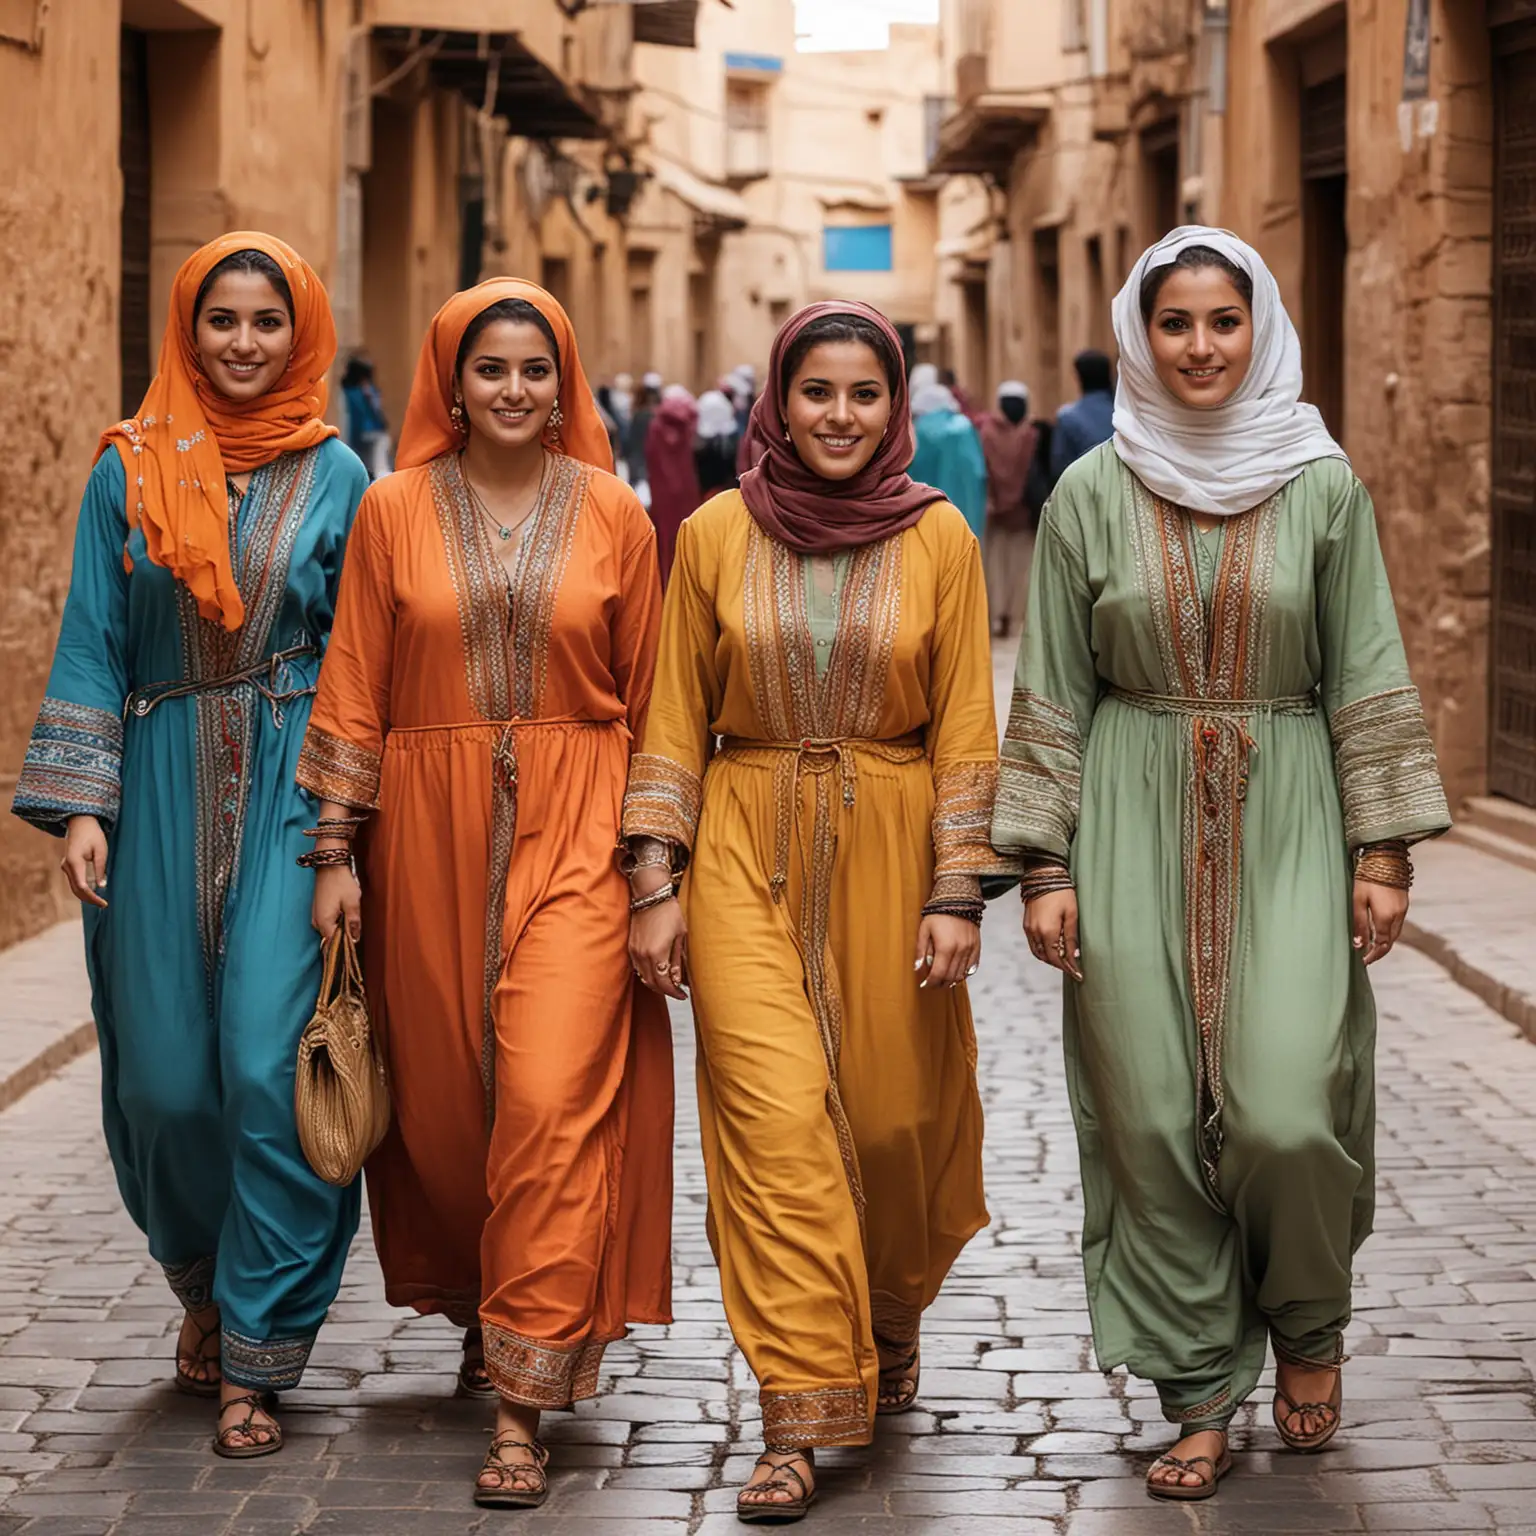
<point x="344" y="827"/>
<point x="1385" y="864"/>
<point x="967" y="911"/>
<point x="1043" y="879"/>
<point x="324" y="858"/>
<point x="657" y="898"/>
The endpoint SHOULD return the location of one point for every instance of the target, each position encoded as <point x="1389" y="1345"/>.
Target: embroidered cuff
<point x="337" y="769"/>
<point x="962" y="821"/>
<point x="826" y="1416"/>
<point x="73" y="766"/>
<point x="662" y="801"/>
<point x="1040" y="777"/>
<point x="540" y="1375"/>
<point x="955" y="887"/>
<point x="1385" y="762"/>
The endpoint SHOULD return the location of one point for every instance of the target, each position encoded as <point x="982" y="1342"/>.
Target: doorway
<point x="1512" y="647"/>
<point x="133" y="158"/>
<point x="1325" y="243"/>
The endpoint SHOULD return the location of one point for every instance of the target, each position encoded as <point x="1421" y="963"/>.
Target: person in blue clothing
<point x="207" y="557"/>
<point x="1087" y="422"/>
<point x="949" y="454"/>
<point x="367" y="426"/>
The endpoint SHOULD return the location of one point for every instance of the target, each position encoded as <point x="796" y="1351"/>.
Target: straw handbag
<point x="340" y="1096"/>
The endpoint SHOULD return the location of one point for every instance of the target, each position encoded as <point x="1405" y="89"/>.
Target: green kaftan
<point x="1205" y="725"/>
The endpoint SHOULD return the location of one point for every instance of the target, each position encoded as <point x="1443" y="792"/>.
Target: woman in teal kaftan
<point x="1206" y="722"/>
<point x="180" y="734"/>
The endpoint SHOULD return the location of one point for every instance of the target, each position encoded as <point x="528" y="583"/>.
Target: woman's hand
<point x="85" y="859"/>
<point x="948" y="950"/>
<point x="1050" y="924"/>
<point x="1380" y="911"/>
<point x="658" y="948"/>
<point x="338" y="899"/>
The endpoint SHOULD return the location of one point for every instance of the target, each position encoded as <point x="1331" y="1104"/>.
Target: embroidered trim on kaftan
<point x="1216" y="659"/>
<point x="663" y="800"/>
<point x="1211" y="1408"/>
<point x="821" y="714"/>
<point x="1389" y="780"/>
<point x="337" y="769"/>
<point x="541" y="1375"/>
<point x="826" y="1416"/>
<point x="964" y="794"/>
<point x="264" y="529"/>
<point x="505" y="662"/>
<point x="1040" y="776"/>
<point x="265" y="1365"/>
<point x="73" y="766"/>
<point x="192" y="1282"/>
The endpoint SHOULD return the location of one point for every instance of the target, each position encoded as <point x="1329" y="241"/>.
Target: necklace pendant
<point x="505" y="533"/>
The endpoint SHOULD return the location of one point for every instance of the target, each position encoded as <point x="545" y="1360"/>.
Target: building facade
<point x="373" y="135"/>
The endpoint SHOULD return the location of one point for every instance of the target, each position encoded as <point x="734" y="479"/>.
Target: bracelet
<point x="659" y="897"/>
<point x="324" y="858"/>
<point x="1043" y="879"/>
<point x="1385" y="864"/>
<point x="628" y="861"/>
<point x="335" y="826"/>
<point x="967" y="911"/>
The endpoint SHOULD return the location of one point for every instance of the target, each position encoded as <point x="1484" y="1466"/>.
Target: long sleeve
<point x="962" y="734"/>
<point x="1055" y="694"/>
<point x="1388" y="777"/>
<point x="73" y="765"/>
<point x="344" y="747"/>
<point x="637" y="622"/>
<point x="666" y="777"/>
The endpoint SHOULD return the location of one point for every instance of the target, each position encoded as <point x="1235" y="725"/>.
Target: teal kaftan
<point x="1206" y="724"/>
<point x="204" y="968"/>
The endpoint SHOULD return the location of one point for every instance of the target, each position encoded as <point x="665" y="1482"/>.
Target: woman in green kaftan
<point x="1214" y="764"/>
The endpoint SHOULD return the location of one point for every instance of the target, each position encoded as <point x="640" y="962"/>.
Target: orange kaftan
<point x="527" y="1176"/>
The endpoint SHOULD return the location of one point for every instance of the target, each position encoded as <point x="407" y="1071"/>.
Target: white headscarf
<point x="921" y="377"/>
<point x="717" y="416"/>
<point x="930" y="398"/>
<point x="1230" y="457"/>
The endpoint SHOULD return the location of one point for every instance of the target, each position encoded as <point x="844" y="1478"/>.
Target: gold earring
<point x="553" y="425"/>
<point x="457" y="417"/>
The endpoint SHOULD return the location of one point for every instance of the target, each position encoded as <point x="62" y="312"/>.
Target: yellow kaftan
<point x="841" y="1122"/>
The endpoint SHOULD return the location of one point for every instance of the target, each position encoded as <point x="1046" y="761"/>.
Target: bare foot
<point x="515" y="1449"/>
<point x="1314" y="1393"/>
<point x="242" y="1423"/>
<point x="773" y="1479"/>
<point x="197" y="1349"/>
<point x="1210" y="1443"/>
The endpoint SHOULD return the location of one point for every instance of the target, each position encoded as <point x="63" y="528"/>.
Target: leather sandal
<point x="474" y="1380"/>
<point x="1210" y="1478"/>
<point x="519" y="1484"/>
<point x="1287" y="1410"/>
<point x="754" y="1511"/>
<point x="186" y="1381"/>
<point x="252" y="1402"/>
<point x="898" y="1382"/>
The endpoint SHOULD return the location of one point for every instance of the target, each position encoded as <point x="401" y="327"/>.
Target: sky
<point x="831" y="25"/>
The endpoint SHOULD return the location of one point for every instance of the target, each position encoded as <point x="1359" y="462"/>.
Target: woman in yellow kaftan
<point x="832" y="633"/>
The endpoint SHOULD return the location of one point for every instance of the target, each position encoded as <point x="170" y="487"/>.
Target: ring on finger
<point x="972" y="971"/>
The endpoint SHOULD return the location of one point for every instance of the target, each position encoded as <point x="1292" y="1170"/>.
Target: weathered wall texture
<point x="1418" y="329"/>
<point x="59" y="196"/>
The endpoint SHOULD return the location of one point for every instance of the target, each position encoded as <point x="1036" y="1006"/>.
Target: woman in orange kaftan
<point x="829" y="622"/>
<point x="491" y="661"/>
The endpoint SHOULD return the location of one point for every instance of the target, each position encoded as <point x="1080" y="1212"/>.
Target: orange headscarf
<point x="429" y="431"/>
<point x="187" y="436"/>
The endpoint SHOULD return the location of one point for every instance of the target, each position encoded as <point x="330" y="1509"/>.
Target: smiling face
<point x="1201" y="333"/>
<point x="244" y="335"/>
<point x="509" y="383"/>
<point x="838" y="408"/>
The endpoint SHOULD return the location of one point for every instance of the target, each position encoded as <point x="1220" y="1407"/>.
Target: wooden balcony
<point x="982" y="137"/>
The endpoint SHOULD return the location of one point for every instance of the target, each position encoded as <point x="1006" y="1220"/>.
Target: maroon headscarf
<point x="815" y="516"/>
<point x="670" y="468"/>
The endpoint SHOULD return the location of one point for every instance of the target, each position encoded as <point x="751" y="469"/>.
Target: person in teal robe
<point x="1212" y="718"/>
<point x="949" y="454"/>
<point x="180" y="737"/>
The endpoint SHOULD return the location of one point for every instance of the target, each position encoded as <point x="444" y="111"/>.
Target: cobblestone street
<point x="1018" y="1432"/>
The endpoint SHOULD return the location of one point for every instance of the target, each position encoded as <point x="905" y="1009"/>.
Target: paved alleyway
<point x="1018" y="1433"/>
